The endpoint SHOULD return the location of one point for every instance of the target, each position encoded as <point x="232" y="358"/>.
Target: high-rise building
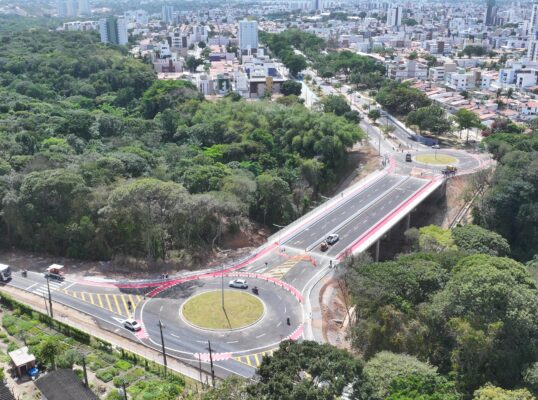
<point x="248" y="36"/>
<point x="532" y="49"/>
<point x="394" y="16"/>
<point x="113" y="30"/>
<point x="168" y="14"/>
<point x="317" y="5"/>
<point x="533" y="26"/>
<point x="491" y="13"/>
<point x="61" y="7"/>
<point x="83" y="7"/>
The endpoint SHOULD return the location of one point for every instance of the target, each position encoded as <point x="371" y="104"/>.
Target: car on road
<point x="436" y="147"/>
<point x="132" y="325"/>
<point x="239" y="284"/>
<point x="408" y="157"/>
<point x="324" y="246"/>
<point x="332" y="238"/>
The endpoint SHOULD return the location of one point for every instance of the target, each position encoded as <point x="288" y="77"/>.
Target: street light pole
<point x="163" y="348"/>
<point x="211" y="362"/>
<point x="50" y="297"/>
<point x="222" y="284"/>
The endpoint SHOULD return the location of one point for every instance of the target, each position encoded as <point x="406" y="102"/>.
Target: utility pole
<point x="211" y="362"/>
<point x="50" y="297"/>
<point x="222" y="284"/>
<point x="163" y="348"/>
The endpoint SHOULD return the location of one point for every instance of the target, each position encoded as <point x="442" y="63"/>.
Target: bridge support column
<point x="377" y="250"/>
<point x="408" y="221"/>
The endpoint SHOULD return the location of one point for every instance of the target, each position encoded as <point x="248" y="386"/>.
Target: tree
<point x="336" y="104"/>
<point x="385" y="368"/>
<point x="165" y="94"/>
<point x="232" y="387"/>
<point x="201" y="44"/>
<point x="290" y="87"/>
<point x="193" y="63"/>
<point x="490" y="392"/>
<point x="374" y="114"/>
<point x="436" y="239"/>
<point x="414" y="387"/>
<point x="400" y="98"/>
<point x="431" y="118"/>
<point x="49" y="349"/>
<point x="475" y="239"/>
<point x="306" y="370"/>
<point x="466" y="119"/>
<point x="295" y="63"/>
<point x="479" y="317"/>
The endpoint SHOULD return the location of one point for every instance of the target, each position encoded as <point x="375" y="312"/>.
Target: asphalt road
<point x="333" y="219"/>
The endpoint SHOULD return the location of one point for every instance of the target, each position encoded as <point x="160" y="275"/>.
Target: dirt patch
<point x="334" y="313"/>
<point x="233" y="247"/>
<point x="362" y="161"/>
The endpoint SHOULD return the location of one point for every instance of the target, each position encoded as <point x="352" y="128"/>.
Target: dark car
<point x="408" y="157"/>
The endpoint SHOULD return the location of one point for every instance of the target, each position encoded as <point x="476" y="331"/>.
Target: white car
<point x="239" y="284"/>
<point x="132" y="325"/>
<point x="332" y="238"/>
<point x="436" y="146"/>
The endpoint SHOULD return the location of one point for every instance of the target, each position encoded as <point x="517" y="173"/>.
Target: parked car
<point x="132" y="325"/>
<point x="332" y="238"/>
<point x="239" y="284"/>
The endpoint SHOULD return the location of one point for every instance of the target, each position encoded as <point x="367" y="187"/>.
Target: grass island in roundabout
<point x="205" y="311"/>
<point x="436" y="159"/>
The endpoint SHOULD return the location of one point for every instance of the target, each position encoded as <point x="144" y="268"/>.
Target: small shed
<point x="22" y="361"/>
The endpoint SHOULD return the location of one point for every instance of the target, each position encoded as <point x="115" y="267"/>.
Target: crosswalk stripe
<point x="91" y="298"/>
<point x="248" y="361"/>
<point x="256" y="359"/>
<point x="133" y="302"/>
<point x="125" y="305"/>
<point x="108" y="301"/>
<point x="100" y="301"/>
<point x="75" y="295"/>
<point x="138" y="298"/>
<point x="117" y="304"/>
<point x="82" y="296"/>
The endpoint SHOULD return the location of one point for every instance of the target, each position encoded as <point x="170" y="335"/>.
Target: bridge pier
<point x="408" y="221"/>
<point x="377" y="245"/>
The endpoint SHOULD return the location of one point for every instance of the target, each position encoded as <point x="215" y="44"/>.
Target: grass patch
<point x="123" y="365"/>
<point x="439" y="159"/>
<point x="205" y="310"/>
<point x="106" y="375"/>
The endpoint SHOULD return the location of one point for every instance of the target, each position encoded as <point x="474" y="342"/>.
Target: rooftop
<point x="64" y="384"/>
<point x="21" y="356"/>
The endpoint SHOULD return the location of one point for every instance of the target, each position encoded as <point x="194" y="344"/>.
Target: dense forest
<point x="451" y="319"/>
<point x="99" y="159"/>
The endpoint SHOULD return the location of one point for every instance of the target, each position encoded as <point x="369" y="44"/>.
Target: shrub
<point x="123" y="365"/>
<point x="106" y="375"/>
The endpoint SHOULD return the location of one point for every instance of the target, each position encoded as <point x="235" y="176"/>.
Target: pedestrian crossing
<point x="42" y="290"/>
<point x="254" y="360"/>
<point x="282" y="269"/>
<point x="122" y="304"/>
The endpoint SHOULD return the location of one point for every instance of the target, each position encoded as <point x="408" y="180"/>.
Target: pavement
<point x="287" y="269"/>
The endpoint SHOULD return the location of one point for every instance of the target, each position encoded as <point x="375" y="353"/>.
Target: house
<point x="22" y="361"/>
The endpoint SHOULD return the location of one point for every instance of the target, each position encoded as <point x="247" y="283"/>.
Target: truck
<point x="5" y="273"/>
<point x="55" y="271"/>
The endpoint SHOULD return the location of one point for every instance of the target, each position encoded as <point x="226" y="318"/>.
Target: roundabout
<point x="436" y="159"/>
<point x="206" y="311"/>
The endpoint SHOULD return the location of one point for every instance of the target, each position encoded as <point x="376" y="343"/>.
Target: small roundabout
<point x="436" y="159"/>
<point x="207" y="311"/>
<point x="191" y="315"/>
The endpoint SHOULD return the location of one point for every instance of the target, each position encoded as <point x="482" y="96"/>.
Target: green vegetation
<point x="437" y="159"/>
<point x="509" y="205"/>
<point x="430" y="118"/>
<point x="99" y="160"/>
<point x="400" y="98"/>
<point x="240" y="309"/>
<point x="455" y="304"/>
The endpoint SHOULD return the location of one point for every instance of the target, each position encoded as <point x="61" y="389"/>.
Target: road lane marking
<point x="100" y="301"/>
<point x="71" y="284"/>
<point x="82" y="296"/>
<point x="117" y="304"/>
<point x="31" y="286"/>
<point x="91" y="298"/>
<point x="259" y="336"/>
<point x="127" y="311"/>
<point x="256" y="359"/>
<point x="108" y="301"/>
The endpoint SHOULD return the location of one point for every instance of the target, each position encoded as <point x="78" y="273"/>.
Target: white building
<point x="248" y="36"/>
<point x="81" y="26"/>
<point x="533" y="26"/>
<point x="113" y="30"/>
<point x="394" y="16"/>
<point x="407" y="69"/>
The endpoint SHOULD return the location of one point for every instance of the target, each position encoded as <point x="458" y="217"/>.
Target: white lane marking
<point x="280" y="323"/>
<point x="259" y="336"/>
<point x="160" y="309"/>
<point x="174" y="335"/>
<point x="71" y="284"/>
<point x="31" y="286"/>
<point x="235" y="341"/>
